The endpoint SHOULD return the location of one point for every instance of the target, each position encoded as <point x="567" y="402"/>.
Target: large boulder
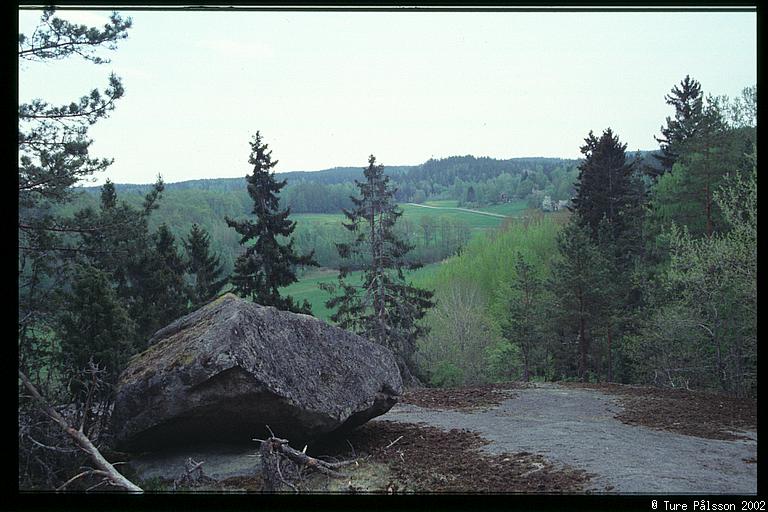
<point x="228" y="369"/>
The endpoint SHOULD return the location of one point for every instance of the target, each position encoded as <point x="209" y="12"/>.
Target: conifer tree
<point x="94" y="326"/>
<point x="610" y="204"/>
<point x="522" y="325"/>
<point x="383" y="307"/>
<point x="685" y="195"/>
<point x="471" y="195"/>
<point x="206" y="268"/>
<point x="108" y="195"/>
<point x="606" y="186"/>
<point x="116" y="239"/>
<point x="53" y="155"/>
<point x="692" y="117"/>
<point x="267" y="264"/>
<point x="579" y="279"/>
<point x="160" y="291"/>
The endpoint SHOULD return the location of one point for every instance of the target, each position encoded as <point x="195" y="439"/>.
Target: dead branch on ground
<point x="192" y="475"/>
<point x="275" y="450"/>
<point x="103" y="467"/>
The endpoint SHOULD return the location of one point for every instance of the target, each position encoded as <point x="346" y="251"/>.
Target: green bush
<point x="447" y="375"/>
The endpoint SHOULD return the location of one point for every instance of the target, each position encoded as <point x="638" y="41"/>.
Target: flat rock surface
<point x="221" y="461"/>
<point x="578" y="427"/>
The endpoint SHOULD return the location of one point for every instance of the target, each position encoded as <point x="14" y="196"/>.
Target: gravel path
<point x="459" y="209"/>
<point x="577" y="427"/>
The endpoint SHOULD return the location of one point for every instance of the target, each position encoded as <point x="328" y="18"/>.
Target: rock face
<point x="228" y="369"/>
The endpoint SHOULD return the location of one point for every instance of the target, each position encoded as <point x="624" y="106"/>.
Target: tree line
<point x="650" y="279"/>
<point x="94" y="286"/>
<point x="491" y="180"/>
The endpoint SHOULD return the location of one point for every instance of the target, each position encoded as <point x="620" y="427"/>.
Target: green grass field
<point x="415" y="213"/>
<point x="443" y="203"/>
<point x="308" y="286"/>
<point x="511" y="209"/>
<point x="473" y="220"/>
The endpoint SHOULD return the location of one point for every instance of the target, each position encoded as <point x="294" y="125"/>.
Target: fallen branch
<point x="275" y="448"/>
<point x="103" y="467"/>
<point x="393" y="442"/>
<point x="79" y="475"/>
<point x="192" y="475"/>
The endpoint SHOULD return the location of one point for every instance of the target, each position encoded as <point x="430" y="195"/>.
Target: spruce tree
<point x="383" y="307"/>
<point x="160" y="291"/>
<point x="267" y="264"/>
<point x="471" y="195"/>
<point x="525" y="314"/>
<point x="116" y="240"/>
<point x="610" y="204"/>
<point x="108" y="195"/>
<point x="579" y="279"/>
<point x="606" y="186"/>
<point x="204" y="267"/>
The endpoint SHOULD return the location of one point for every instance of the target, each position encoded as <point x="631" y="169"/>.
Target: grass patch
<point x="443" y="203"/>
<point x="308" y="286"/>
<point x="511" y="209"/>
<point x="473" y="220"/>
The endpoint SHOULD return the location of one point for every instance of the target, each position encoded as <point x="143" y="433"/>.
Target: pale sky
<point x="328" y="89"/>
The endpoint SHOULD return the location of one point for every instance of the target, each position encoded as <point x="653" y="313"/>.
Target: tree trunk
<point x="526" y="370"/>
<point x="582" y="350"/>
<point x="610" y="361"/>
<point x="708" y="209"/>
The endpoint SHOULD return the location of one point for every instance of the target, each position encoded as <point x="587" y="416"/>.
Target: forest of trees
<point x="328" y="191"/>
<point x="650" y="277"/>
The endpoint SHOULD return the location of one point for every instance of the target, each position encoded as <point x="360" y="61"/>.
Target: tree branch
<point x="81" y="441"/>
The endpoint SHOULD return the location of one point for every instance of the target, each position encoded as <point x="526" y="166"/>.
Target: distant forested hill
<point x="328" y="190"/>
<point x="466" y="180"/>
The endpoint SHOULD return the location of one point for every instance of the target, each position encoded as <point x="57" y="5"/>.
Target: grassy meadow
<point x="480" y="225"/>
<point x="308" y="286"/>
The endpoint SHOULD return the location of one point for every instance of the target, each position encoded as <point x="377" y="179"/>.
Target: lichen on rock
<point x="228" y="369"/>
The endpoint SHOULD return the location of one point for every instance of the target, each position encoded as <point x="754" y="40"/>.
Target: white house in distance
<point x="548" y="205"/>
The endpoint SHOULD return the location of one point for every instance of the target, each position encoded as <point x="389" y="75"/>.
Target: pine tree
<point x="206" y="268"/>
<point x="53" y="142"/>
<point x="267" y="264"/>
<point x="53" y="155"/>
<point x="692" y="117"/>
<point x="522" y="325"/>
<point x="685" y="195"/>
<point x="383" y="307"/>
<point x="578" y="282"/>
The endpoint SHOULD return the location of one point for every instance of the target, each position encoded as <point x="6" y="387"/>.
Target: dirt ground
<point x="424" y="458"/>
<point x="693" y="413"/>
<point x="469" y="399"/>
<point x="581" y="427"/>
<point x="539" y="439"/>
<point x="397" y="457"/>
